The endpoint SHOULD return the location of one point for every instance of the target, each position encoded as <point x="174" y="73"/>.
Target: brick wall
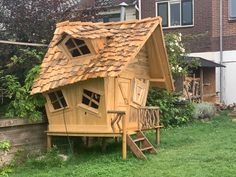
<point x="229" y="27"/>
<point x="148" y="8"/>
<point x="198" y="37"/>
<point x="206" y="26"/>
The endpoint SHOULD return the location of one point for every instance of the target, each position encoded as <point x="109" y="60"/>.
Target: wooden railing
<point x="143" y="117"/>
<point x="148" y="118"/>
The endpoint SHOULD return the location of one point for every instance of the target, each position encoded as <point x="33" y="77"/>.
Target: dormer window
<point x="77" y="47"/>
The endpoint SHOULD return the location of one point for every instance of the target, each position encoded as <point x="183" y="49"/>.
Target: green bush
<point x="172" y="111"/>
<point x="48" y="160"/>
<point x="22" y="104"/>
<point x="204" y="111"/>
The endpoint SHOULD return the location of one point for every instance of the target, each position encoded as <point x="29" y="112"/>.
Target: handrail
<point x="120" y="115"/>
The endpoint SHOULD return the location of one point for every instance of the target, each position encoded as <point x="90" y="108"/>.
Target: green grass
<point x="202" y="149"/>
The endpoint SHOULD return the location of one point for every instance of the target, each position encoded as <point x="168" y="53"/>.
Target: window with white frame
<point x="175" y="13"/>
<point x="232" y="9"/>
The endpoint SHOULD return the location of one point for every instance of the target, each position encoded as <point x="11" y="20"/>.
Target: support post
<point x="201" y="84"/>
<point x="158" y="135"/>
<point x="158" y="126"/>
<point x="49" y="142"/>
<point x="124" y="136"/>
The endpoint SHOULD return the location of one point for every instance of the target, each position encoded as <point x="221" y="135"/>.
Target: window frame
<point x="110" y="16"/>
<point x="87" y="42"/>
<point x="89" y="108"/>
<point x="51" y="107"/>
<point x="169" y="13"/>
<point x="231" y="18"/>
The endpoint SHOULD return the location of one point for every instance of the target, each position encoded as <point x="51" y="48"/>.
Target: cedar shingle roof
<point x="123" y="42"/>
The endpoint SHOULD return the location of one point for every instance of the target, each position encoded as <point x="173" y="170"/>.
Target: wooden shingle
<point x="123" y="41"/>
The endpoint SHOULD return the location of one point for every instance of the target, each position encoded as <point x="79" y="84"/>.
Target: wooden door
<point x="122" y="93"/>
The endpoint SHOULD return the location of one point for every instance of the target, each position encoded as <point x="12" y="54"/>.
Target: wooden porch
<point x="146" y="118"/>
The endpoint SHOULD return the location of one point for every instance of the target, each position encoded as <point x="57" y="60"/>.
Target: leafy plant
<point x="48" y="160"/>
<point x="5" y="145"/>
<point x="203" y="111"/>
<point x="176" y="52"/>
<point x="172" y="111"/>
<point x="22" y="104"/>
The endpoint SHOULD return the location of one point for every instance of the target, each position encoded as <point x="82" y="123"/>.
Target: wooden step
<point x="139" y="139"/>
<point x="134" y="148"/>
<point x="146" y="148"/>
<point x="144" y="144"/>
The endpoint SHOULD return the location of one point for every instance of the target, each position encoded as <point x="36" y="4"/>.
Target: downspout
<point x="140" y="9"/>
<point x="123" y="6"/>
<point x="221" y="54"/>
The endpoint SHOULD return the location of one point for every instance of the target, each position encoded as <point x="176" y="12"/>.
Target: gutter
<point x="221" y="53"/>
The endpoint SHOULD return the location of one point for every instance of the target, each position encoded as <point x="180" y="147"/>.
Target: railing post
<point x="124" y="142"/>
<point x="158" y="126"/>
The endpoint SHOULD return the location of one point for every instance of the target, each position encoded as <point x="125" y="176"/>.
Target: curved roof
<point x="123" y="42"/>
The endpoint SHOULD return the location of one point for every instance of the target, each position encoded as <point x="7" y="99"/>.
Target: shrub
<point x="204" y="111"/>
<point x="50" y="159"/>
<point x="172" y="111"/>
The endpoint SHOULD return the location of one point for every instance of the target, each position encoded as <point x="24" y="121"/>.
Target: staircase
<point x="140" y="145"/>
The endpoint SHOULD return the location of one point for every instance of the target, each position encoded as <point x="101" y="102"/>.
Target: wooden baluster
<point x="158" y="128"/>
<point x="124" y="136"/>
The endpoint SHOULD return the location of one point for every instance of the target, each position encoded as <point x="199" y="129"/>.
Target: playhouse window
<point x="57" y="100"/>
<point x="91" y="99"/>
<point x="77" y="47"/>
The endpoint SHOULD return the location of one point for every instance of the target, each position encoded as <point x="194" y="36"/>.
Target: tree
<point x="32" y="21"/>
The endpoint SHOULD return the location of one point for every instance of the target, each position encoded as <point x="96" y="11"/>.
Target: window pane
<point x="75" y="53"/>
<point x="93" y="105"/>
<point x="87" y="92"/>
<point x="163" y="12"/>
<point x="59" y="94"/>
<point x="70" y="44"/>
<point x="56" y="105"/>
<point x="84" y="50"/>
<point x="63" y="102"/>
<point x="52" y="97"/>
<point x="79" y="42"/>
<point x="187" y="12"/>
<point x="175" y="14"/>
<point x="96" y="97"/>
<point x="232" y="8"/>
<point x="85" y="100"/>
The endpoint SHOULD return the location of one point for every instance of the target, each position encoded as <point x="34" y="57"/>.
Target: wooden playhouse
<point x="95" y="78"/>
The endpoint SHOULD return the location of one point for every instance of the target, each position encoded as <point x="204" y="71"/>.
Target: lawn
<point x="201" y="149"/>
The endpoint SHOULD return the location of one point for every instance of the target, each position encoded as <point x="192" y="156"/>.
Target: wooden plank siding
<point x="23" y="135"/>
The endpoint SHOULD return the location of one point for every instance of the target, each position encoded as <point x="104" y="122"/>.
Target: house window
<point x="232" y="9"/>
<point x="111" y="18"/>
<point x="175" y="13"/>
<point x="57" y="100"/>
<point x="91" y="99"/>
<point x="77" y="47"/>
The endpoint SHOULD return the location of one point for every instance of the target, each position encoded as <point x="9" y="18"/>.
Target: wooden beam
<point x="158" y="80"/>
<point x="201" y="84"/>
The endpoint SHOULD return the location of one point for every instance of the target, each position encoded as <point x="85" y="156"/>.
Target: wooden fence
<point x="23" y="135"/>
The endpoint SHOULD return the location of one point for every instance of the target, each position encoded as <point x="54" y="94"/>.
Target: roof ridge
<point x="71" y="23"/>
